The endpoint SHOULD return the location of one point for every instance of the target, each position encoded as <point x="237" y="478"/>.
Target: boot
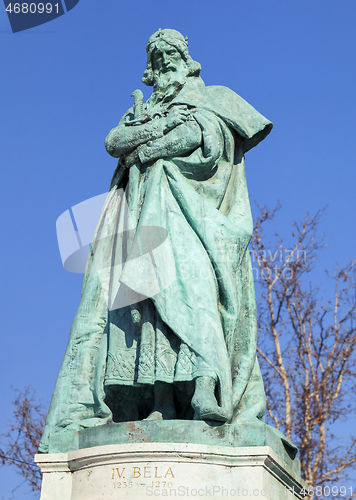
<point x="204" y="402"/>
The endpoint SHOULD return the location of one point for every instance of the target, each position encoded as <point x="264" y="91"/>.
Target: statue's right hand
<point x="176" y="116"/>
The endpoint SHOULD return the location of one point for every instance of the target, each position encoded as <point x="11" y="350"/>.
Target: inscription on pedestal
<point x="137" y="471"/>
<point x="129" y="476"/>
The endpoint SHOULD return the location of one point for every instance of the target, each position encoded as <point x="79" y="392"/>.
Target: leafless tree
<point x="307" y="343"/>
<point x="19" y="443"/>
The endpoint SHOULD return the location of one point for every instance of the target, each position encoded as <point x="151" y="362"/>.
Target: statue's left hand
<point x="131" y="158"/>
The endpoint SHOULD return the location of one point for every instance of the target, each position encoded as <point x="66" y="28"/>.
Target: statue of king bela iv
<point x="166" y="326"/>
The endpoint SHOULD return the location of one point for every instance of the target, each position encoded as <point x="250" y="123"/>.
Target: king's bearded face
<point x="168" y="66"/>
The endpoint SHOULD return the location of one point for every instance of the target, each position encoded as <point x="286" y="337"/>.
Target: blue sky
<point x="65" y="84"/>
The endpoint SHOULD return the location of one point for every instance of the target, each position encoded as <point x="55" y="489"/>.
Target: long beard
<point x="167" y="86"/>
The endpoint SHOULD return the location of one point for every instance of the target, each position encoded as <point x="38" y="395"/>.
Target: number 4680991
<point x="326" y="491"/>
<point x="32" y="8"/>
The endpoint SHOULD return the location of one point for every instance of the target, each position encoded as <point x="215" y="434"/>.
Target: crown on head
<point x="166" y="35"/>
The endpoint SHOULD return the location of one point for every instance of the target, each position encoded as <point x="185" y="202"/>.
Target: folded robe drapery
<point x="202" y="320"/>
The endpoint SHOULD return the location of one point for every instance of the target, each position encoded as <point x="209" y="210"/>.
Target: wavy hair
<point x="193" y="67"/>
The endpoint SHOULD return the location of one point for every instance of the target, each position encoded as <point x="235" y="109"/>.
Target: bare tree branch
<point x="307" y="346"/>
<point x="20" y="443"/>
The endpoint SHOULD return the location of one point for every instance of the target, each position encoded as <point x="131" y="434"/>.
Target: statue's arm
<point x="181" y="140"/>
<point x="126" y="138"/>
<point x="123" y="139"/>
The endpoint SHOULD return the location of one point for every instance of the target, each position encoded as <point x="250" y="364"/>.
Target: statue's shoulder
<point x="228" y="101"/>
<point x="220" y="90"/>
<point x="238" y="114"/>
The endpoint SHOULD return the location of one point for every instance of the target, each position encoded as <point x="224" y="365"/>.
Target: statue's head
<point x="167" y="53"/>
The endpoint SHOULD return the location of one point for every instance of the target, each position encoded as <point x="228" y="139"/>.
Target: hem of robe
<point x="169" y="380"/>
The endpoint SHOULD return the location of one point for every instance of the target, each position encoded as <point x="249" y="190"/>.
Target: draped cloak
<point x="200" y="317"/>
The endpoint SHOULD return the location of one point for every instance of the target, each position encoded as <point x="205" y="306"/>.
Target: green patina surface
<point x="166" y="328"/>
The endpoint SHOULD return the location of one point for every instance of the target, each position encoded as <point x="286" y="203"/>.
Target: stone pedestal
<point x="142" y="470"/>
